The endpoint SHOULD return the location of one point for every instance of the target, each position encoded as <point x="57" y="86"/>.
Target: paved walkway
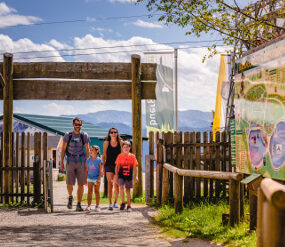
<point x="32" y="227"/>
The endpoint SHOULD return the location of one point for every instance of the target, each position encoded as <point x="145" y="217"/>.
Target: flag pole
<point x="176" y="89"/>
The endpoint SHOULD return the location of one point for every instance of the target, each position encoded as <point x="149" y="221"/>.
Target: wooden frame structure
<point x="76" y="81"/>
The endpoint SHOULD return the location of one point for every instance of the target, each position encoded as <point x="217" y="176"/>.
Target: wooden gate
<point x="27" y="179"/>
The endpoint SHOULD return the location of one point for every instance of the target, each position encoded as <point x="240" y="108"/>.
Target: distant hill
<point x="189" y="120"/>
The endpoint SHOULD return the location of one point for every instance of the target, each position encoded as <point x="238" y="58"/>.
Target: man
<point x="73" y="147"/>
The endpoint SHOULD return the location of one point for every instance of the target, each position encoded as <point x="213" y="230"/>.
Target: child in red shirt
<point x="126" y="167"/>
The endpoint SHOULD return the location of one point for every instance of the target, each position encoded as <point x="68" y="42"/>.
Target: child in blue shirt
<point x="93" y="174"/>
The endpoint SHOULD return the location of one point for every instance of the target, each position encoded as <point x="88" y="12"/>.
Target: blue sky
<point x="34" y="25"/>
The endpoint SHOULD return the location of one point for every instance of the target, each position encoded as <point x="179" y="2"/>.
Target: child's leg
<point x="90" y="192"/>
<point x="128" y="192"/>
<point x="97" y="193"/>
<point x="122" y="193"/>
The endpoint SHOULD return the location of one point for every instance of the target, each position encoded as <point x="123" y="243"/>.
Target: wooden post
<point x="217" y="166"/>
<point x="151" y="164"/>
<point x="178" y="180"/>
<point x="159" y="170"/>
<point x="7" y="121"/>
<point x="252" y="210"/>
<point x="165" y="187"/>
<point x="22" y="168"/>
<point x="259" y="227"/>
<point x="211" y="166"/>
<point x="1" y="173"/>
<point x="206" y="166"/>
<point x="168" y="139"/>
<point x="37" y="168"/>
<point x="234" y="202"/>
<point x="137" y="120"/>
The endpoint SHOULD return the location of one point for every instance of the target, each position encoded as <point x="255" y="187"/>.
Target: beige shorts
<point x="75" y="170"/>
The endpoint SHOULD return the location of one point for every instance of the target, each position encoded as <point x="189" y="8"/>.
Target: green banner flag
<point x="160" y="112"/>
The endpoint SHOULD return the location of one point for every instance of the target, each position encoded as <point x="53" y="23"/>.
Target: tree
<point x="239" y="28"/>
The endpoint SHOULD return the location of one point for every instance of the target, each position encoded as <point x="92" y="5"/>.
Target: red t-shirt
<point x="125" y="163"/>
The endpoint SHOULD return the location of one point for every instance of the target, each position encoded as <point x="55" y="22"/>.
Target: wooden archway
<point x="82" y="81"/>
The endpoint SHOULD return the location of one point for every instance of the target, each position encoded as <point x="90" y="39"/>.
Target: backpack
<point x="69" y="140"/>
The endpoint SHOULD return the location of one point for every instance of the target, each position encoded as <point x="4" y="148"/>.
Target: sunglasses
<point x="113" y="132"/>
<point x="79" y="125"/>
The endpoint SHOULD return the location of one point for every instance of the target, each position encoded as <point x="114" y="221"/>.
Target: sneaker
<point x="97" y="209"/>
<point x="70" y="200"/>
<point x="88" y="209"/>
<point x="78" y="207"/>
<point x="115" y="205"/>
<point x="110" y="207"/>
<point x="129" y="209"/>
<point x="123" y="205"/>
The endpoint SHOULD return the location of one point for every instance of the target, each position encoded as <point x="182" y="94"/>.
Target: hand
<point x="62" y="166"/>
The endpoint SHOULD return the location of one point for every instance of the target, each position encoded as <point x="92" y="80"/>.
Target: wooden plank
<point x="217" y="166"/>
<point x="204" y="174"/>
<point x="206" y="166"/>
<point x="151" y="174"/>
<point x="7" y="118"/>
<point x="137" y="120"/>
<point x="23" y="159"/>
<point x="187" y="186"/>
<point x="45" y="185"/>
<point x="198" y="165"/>
<point x="1" y="173"/>
<point x="192" y="165"/>
<point x="11" y="172"/>
<point x="178" y="180"/>
<point x="223" y="161"/>
<point x="252" y="211"/>
<point x="274" y="192"/>
<point x="17" y="153"/>
<point x="2" y="81"/>
<point x="78" y="90"/>
<point x="159" y="169"/>
<point x="259" y="228"/>
<point x="168" y="139"/>
<point x="82" y="70"/>
<point x="28" y="166"/>
<point x="211" y="166"/>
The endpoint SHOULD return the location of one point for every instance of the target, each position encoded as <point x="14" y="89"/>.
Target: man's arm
<point x="87" y="150"/>
<point x="63" y="149"/>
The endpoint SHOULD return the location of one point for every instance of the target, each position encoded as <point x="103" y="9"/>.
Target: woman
<point x="112" y="147"/>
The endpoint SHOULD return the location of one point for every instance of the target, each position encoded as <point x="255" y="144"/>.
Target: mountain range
<point x="189" y="120"/>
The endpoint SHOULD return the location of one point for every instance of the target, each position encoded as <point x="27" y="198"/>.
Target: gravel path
<point x="32" y="227"/>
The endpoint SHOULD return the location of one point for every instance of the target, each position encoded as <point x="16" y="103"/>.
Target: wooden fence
<point x="23" y="180"/>
<point x="180" y="152"/>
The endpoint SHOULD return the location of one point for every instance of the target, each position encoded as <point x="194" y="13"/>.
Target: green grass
<point x="204" y="221"/>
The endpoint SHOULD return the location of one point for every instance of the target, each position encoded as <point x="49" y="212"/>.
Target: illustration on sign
<point x="259" y="126"/>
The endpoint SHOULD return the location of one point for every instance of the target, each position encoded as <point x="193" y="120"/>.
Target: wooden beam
<point x="82" y="70"/>
<point x="77" y="90"/>
<point x="7" y="120"/>
<point x="137" y="120"/>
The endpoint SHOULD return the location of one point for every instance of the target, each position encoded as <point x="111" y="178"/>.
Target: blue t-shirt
<point x="93" y="167"/>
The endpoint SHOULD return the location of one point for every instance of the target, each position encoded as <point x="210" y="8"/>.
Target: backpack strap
<point x="82" y="137"/>
<point x="69" y="139"/>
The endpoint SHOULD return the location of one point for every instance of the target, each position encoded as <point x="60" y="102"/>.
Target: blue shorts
<point x="128" y="183"/>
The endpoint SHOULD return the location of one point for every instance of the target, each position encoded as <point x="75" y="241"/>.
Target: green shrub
<point x="61" y="177"/>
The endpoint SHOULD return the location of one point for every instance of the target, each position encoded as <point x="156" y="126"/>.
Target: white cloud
<point x="8" y="18"/>
<point x="58" y="109"/>
<point x="197" y="81"/>
<point x="141" y="23"/>
<point x="21" y="46"/>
